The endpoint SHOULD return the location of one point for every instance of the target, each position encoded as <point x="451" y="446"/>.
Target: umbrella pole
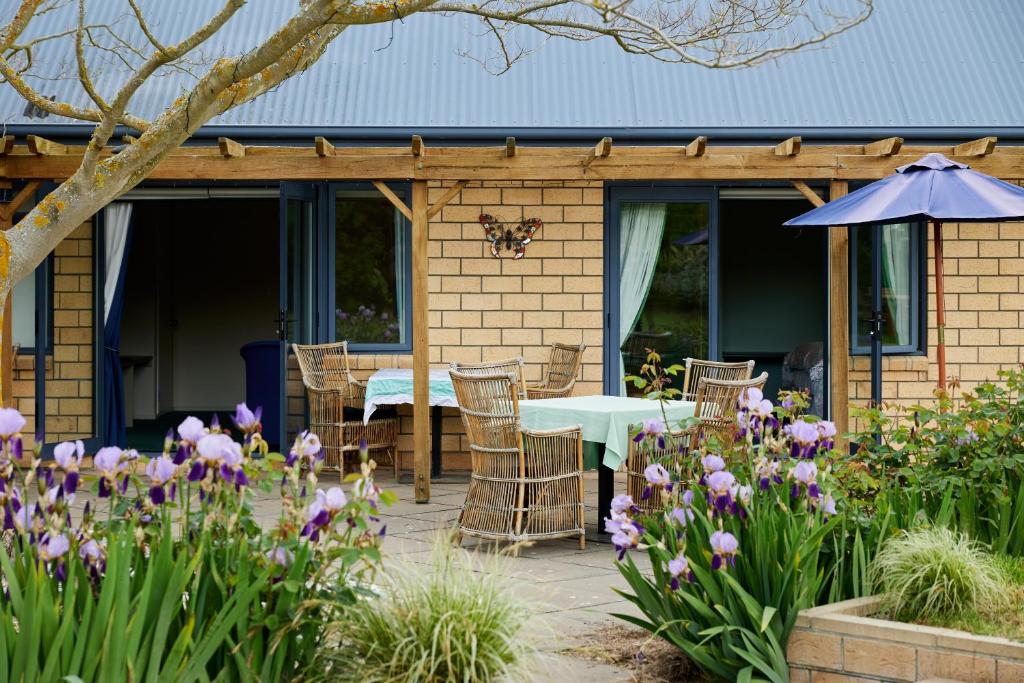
<point x="876" y="315"/>
<point x="940" y="305"/>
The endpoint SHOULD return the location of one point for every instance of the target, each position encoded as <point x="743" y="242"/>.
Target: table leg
<point x="605" y="490"/>
<point x="435" y="442"/>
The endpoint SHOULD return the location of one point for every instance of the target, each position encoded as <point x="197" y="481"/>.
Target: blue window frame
<point x="368" y="269"/>
<point x="904" y="289"/>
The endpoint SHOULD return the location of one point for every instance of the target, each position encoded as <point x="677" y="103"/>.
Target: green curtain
<point x="641" y="226"/>
<point x="896" y="274"/>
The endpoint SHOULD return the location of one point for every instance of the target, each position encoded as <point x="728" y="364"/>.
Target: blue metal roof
<point x="925" y="68"/>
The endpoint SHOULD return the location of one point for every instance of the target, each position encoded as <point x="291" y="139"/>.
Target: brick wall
<point x="984" y="295"/>
<point x="69" y="368"/>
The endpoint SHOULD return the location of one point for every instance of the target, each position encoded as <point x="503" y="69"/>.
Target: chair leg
<point x="583" y="541"/>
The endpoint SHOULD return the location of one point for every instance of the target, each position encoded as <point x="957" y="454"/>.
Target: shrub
<point x="445" y="623"/>
<point x="937" y="573"/>
<point x="735" y="548"/>
<point x="168" y="577"/>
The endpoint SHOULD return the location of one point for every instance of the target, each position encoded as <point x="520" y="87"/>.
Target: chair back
<point x="489" y="405"/>
<point x="718" y="400"/>
<point x="563" y="366"/>
<point x="325" y="367"/>
<point x="507" y="366"/>
<point x="698" y="369"/>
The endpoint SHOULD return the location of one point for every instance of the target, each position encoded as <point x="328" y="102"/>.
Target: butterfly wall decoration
<point x="513" y="238"/>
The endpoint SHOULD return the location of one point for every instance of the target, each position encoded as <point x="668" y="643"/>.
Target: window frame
<point x="919" y="294"/>
<point x="43" y="275"/>
<point x="403" y="268"/>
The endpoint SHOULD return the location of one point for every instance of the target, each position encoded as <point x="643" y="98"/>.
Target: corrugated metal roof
<point x="914" y="64"/>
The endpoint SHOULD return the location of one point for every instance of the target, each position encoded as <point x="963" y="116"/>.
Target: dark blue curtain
<point x="113" y="380"/>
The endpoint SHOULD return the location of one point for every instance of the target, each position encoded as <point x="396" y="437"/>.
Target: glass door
<point x="662" y="287"/>
<point x="297" y="319"/>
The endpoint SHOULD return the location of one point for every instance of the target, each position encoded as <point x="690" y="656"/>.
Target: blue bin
<point x="263" y="387"/>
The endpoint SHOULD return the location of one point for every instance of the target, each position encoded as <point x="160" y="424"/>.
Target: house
<point x="661" y="188"/>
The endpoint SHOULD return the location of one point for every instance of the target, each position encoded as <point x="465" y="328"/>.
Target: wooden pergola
<point x="692" y="160"/>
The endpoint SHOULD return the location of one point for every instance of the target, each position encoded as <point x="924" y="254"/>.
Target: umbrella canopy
<point x="934" y="189"/>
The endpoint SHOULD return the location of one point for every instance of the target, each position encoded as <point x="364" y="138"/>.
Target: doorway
<point x="201" y="282"/>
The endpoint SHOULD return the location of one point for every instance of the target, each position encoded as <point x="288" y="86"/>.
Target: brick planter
<point x="842" y="643"/>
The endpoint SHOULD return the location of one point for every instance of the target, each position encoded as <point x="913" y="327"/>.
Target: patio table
<point x="605" y="423"/>
<point x="391" y="386"/>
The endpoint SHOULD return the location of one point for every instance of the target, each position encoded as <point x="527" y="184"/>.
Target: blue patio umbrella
<point x="934" y="189"/>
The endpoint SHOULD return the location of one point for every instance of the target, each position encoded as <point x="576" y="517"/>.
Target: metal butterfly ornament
<point x="514" y="239"/>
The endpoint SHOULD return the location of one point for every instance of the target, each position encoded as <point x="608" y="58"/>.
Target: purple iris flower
<point x="720" y="490"/>
<point x="280" y="556"/>
<point x="161" y="471"/>
<point x="724" y="546"/>
<point x="768" y="472"/>
<point x="322" y="510"/>
<point x="805" y="439"/>
<point x="657" y="476"/>
<point x="11" y="423"/>
<point x="678" y="567"/>
<point x="247" y="420"/>
<point x="191" y="430"/>
<point x="805" y="475"/>
<point x="969" y="436"/>
<point x="826" y="434"/>
<point x="712" y="463"/>
<point x="622" y="504"/>
<point x="107" y="462"/>
<point x="828" y="506"/>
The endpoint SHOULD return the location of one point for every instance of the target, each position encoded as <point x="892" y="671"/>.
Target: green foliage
<point x="459" y="620"/>
<point x="735" y="550"/>
<point x="935" y="573"/>
<point x="173" y="579"/>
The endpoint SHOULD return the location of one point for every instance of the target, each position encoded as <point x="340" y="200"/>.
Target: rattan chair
<point x="716" y="405"/>
<point x="560" y="372"/>
<point x="500" y="367"/>
<point x="526" y="485"/>
<point x="696" y="369"/>
<point x="336" y="406"/>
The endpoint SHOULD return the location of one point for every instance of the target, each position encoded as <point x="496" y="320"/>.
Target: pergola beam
<point x="697" y="147"/>
<point x="449" y="195"/>
<point x="42" y="146"/>
<point x="417" y="146"/>
<point x="510" y="147"/>
<point x="884" y="148"/>
<point x="6" y="144"/>
<point x="976" y="148"/>
<point x="323" y="147"/>
<point x="603" y="148"/>
<point x="393" y="198"/>
<point x="230" y="148"/>
<point x="789" y="147"/>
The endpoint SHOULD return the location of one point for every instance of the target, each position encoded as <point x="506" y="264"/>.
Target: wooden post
<point x="839" y="309"/>
<point x="420" y="343"/>
<point x="7" y="348"/>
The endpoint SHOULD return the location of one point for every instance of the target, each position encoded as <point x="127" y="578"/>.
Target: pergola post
<point x="839" y="317"/>
<point x="7" y="212"/>
<point x="420" y="343"/>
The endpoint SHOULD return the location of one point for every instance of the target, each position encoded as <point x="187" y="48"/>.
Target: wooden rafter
<point x="230" y="148"/>
<point x="417" y="146"/>
<point x="6" y="144"/>
<point x="8" y="210"/>
<point x="323" y="147"/>
<point x="806" y="191"/>
<point x="884" y="148"/>
<point x="789" y="147"/>
<point x="697" y="147"/>
<point x="510" y="147"/>
<point x="603" y="148"/>
<point x="42" y="146"/>
<point x="976" y="148"/>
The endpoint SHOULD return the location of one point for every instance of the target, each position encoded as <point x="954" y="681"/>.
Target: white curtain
<point x="896" y="278"/>
<point x="117" y="218"/>
<point x="641" y="226"/>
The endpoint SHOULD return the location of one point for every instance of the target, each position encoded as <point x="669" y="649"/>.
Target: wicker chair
<point x="560" y="373"/>
<point x="717" y="401"/>
<point x="526" y="485"/>
<point x="336" y="406"/>
<point x="502" y="367"/>
<point x="696" y="369"/>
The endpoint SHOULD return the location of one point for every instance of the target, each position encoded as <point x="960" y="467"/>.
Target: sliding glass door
<point x="662" y="278"/>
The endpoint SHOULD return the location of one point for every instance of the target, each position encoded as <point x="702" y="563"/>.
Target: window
<point x="371" y="272"/>
<point x="23" y="311"/>
<point x="903" y="288"/>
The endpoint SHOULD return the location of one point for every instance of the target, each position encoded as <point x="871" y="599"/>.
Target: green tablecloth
<point x="391" y="386"/>
<point x="604" y="419"/>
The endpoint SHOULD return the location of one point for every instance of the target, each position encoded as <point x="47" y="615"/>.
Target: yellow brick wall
<point x="69" y="369"/>
<point x="984" y="296"/>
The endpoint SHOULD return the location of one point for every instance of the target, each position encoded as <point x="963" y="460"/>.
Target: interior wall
<point x="139" y="319"/>
<point x="217" y="278"/>
<point x="773" y="295"/>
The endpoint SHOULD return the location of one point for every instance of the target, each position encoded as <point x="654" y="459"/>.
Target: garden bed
<point x="843" y="642"/>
